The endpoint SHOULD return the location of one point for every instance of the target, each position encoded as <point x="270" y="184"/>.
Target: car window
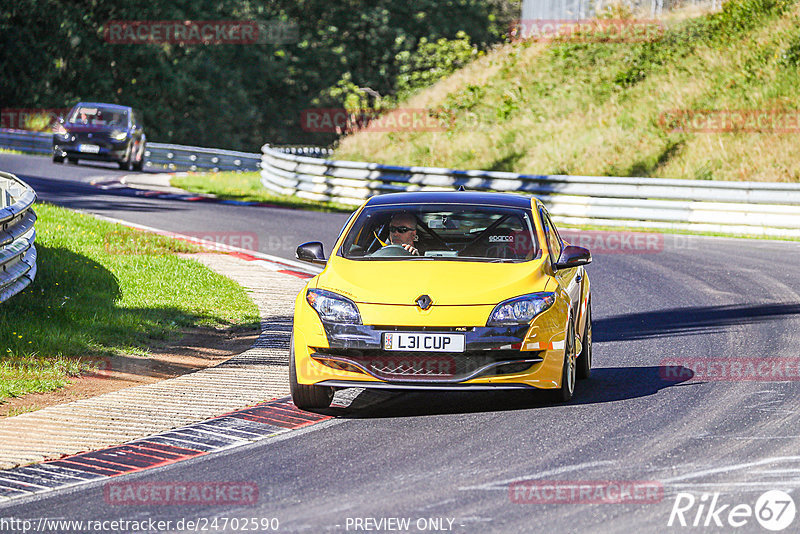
<point x="442" y="233"/>
<point x="99" y="116"/>
<point x="553" y="239"/>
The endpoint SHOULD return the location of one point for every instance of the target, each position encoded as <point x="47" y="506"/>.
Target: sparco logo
<point x="501" y="238"/>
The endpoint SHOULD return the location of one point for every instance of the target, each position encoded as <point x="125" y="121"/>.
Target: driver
<point x="403" y="232"/>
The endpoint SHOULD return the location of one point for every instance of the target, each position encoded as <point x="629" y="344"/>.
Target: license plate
<point x="91" y="149"/>
<point x="423" y="342"/>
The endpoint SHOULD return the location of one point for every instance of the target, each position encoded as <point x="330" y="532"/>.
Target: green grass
<point x="602" y="108"/>
<point x="246" y="186"/>
<point x="103" y="289"/>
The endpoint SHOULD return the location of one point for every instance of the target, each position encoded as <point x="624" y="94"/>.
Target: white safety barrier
<point x="17" y="235"/>
<point x="732" y="208"/>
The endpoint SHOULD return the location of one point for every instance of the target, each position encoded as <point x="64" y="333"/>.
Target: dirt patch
<point x="198" y="348"/>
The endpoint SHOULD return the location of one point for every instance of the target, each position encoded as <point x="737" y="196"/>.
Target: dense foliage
<point x="710" y="95"/>
<point x="54" y="53"/>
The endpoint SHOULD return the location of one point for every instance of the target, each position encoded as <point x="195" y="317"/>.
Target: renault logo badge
<point x="424" y="302"/>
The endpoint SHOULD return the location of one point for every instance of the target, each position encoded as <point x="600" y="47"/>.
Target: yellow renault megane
<point x="443" y="291"/>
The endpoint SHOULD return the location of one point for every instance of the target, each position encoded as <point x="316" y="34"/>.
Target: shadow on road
<point x="78" y="195"/>
<point x="687" y="321"/>
<point x="605" y="385"/>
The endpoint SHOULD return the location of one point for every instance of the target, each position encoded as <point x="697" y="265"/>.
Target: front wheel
<point x="138" y="161"/>
<point x="584" y="362"/>
<point x="125" y="162"/>
<point x="306" y="397"/>
<point x="57" y="158"/>
<point x="565" y="392"/>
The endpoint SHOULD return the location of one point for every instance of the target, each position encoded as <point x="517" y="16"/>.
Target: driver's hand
<point x="411" y="249"/>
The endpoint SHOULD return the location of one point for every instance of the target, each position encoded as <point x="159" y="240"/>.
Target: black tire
<point x="138" y="165"/>
<point x="58" y="159"/>
<point x="306" y="397"/>
<point x="584" y="363"/>
<point x="73" y="161"/>
<point x="567" y="389"/>
<point x="125" y="162"/>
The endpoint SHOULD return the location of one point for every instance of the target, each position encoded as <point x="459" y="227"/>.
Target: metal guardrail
<point x="192" y="158"/>
<point x="732" y="208"/>
<point x="17" y="236"/>
<point x="158" y="156"/>
<point x="25" y="141"/>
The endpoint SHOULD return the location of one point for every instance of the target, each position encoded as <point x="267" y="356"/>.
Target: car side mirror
<point x="573" y="256"/>
<point x="311" y="252"/>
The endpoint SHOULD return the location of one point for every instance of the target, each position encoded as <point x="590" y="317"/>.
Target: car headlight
<point x="119" y="135"/>
<point x="59" y="130"/>
<point x="333" y="308"/>
<point x="520" y="310"/>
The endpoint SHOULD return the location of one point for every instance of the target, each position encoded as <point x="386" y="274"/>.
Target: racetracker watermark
<point x="340" y="121"/>
<point x="589" y="30"/>
<point x="127" y="242"/>
<point x="406" y="366"/>
<point x="201" y="32"/>
<point x="180" y="493"/>
<point x="91" y="367"/>
<point x="730" y="369"/>
<point x="731" y="120"/>
<point x="37" y="119"/>
<point x="610" y="242"/>
<point x="585" y="491"/>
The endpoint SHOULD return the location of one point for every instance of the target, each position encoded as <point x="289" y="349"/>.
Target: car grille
<point x="431" y="366"/>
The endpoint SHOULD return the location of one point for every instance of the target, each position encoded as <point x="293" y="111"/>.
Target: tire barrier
<point x="17" y="236"/>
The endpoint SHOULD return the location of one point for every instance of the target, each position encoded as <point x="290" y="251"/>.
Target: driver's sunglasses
<point x="399" y="229"/>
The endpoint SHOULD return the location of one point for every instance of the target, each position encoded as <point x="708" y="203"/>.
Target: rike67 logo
<point x="774" y="510"/>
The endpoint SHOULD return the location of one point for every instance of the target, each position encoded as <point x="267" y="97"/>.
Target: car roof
<point x="104" y="105"/>
<point x="452" y="197"/>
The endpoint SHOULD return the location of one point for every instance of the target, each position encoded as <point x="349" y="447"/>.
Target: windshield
<point x="442" y="233"/>
<point x="98" y="116"/>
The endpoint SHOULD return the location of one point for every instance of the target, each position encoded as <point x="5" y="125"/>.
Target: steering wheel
<point x="391" y="250"/>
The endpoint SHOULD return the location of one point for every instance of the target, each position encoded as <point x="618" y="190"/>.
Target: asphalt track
<point x="455" y="456"/>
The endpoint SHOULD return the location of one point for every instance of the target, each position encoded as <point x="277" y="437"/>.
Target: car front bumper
<point x="108" y="150"/>
<point x="515" y="357"/>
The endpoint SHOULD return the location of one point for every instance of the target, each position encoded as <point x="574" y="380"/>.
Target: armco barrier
<point x="17" y="235"/>
<point x="192" y="158"/>
<point x="749" y="208"/>
<point x="25" y="141"/>
<point x="158" y="156"/>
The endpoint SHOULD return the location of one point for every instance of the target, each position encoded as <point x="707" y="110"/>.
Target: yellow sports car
<point x="454" y="290"/>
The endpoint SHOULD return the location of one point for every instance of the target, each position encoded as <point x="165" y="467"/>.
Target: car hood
<point x="448" y="283"/>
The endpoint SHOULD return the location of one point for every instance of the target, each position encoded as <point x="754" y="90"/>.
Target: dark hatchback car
<point x="100" y="132"/>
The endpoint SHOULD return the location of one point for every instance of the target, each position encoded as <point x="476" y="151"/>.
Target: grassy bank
<point x="608" y="108"/>
<point x="246" y="186"/>
<point x="103" y="289"/>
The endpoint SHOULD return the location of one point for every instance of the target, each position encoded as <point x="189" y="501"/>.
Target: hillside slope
<point x="608" y="108"/>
